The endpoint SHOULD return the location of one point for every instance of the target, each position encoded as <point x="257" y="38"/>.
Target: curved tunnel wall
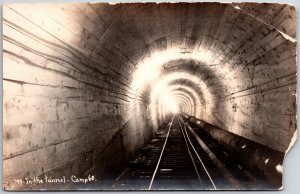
<point x="85" y="74"/>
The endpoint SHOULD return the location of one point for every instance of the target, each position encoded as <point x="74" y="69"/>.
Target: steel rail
<point x="190" y="154"/>
<point x="199" y="158"/>
<point x="161" y="154"/>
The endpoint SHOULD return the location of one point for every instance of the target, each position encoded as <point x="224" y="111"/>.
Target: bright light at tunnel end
<point x="170" y="104"/>
<point x="148" y="77"/>
<point x="149" y="69"/>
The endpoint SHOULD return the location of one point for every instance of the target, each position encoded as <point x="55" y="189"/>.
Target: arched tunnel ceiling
<point x="229" y="40"/>
<point x="218" y="53"/>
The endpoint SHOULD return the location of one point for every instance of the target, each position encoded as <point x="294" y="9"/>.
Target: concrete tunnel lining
<point x="103" y="67"/>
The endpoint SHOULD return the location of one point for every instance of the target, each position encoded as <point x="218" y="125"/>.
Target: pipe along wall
<point x="85" y="85"/>
<point x="257" y="157"/>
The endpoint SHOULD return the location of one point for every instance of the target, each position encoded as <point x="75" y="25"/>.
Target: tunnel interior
<point x="86" y="85"/>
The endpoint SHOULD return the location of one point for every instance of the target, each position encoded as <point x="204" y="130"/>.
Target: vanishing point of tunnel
<point x="189" y="96"/>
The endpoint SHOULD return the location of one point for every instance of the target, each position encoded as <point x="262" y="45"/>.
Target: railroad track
<point x="172" y="161"/>
<point x="175" y="168"/>
<point x="183" y="158"/>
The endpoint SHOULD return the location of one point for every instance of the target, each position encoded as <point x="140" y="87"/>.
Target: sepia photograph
<point x="181" y="96"/>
